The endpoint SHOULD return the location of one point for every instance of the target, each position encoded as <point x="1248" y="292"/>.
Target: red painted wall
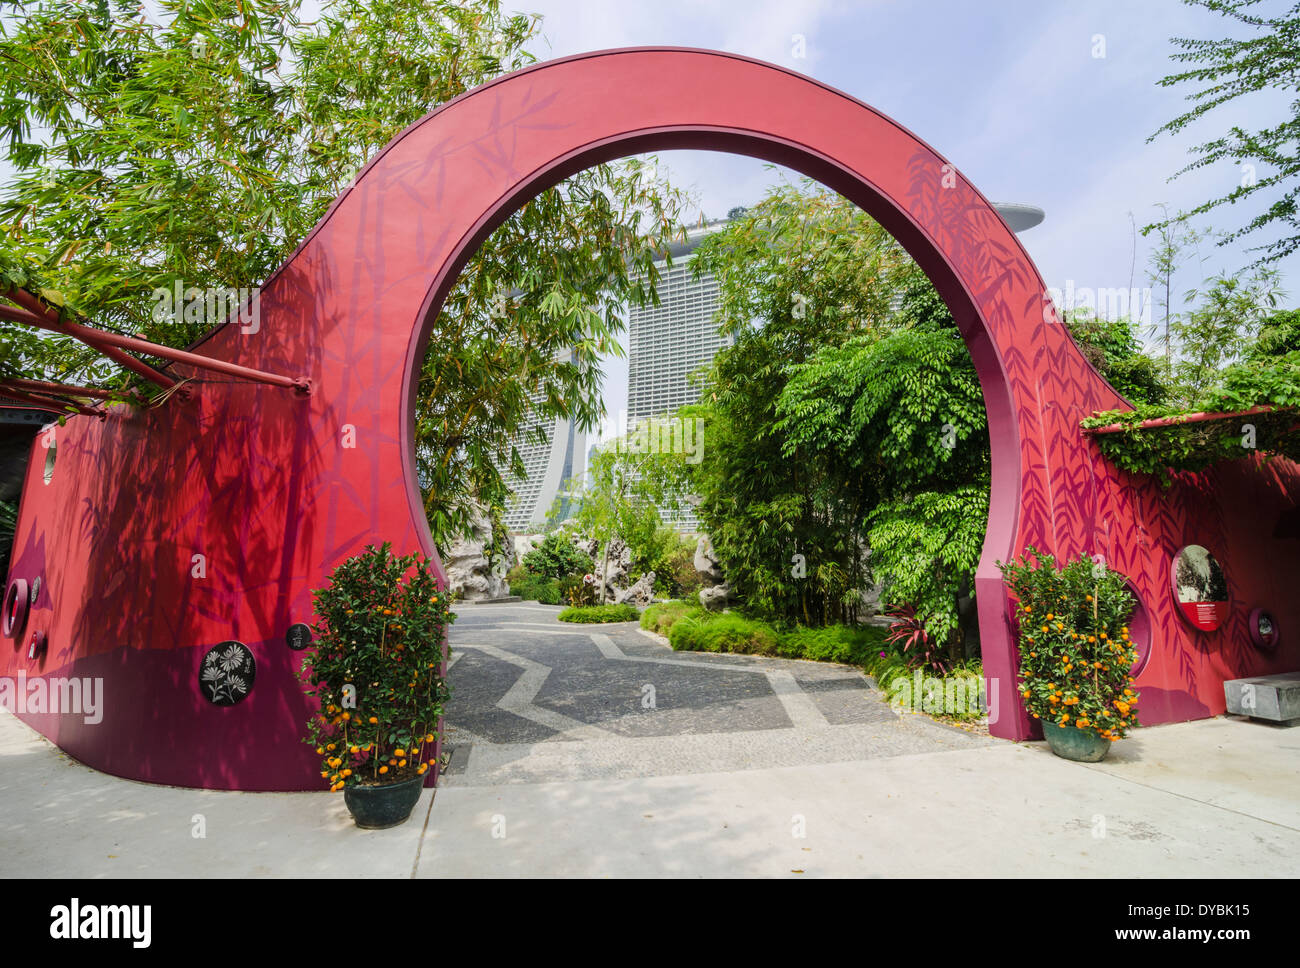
<point x="260" y="482"/>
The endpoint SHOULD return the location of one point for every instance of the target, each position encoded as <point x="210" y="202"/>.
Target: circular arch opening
<point x="1003" y="442"/>
<point x="463" y="169"/>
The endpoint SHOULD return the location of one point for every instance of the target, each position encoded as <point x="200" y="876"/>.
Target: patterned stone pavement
<point x="535" y="700"/>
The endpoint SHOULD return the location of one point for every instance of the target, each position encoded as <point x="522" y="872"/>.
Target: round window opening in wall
<point x="50" y="453"/>
<point x="17" y="601"/>
<point x="1199" y="588"/>
<point x="1139" y="630"/>
<point x="1263" y="629"/>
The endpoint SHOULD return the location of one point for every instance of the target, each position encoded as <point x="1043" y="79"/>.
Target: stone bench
<point x="1275" y="698"/>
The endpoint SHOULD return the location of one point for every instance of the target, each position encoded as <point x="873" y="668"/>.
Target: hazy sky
<point x="1012" y="92"/>
<point x="1048" y="102"/>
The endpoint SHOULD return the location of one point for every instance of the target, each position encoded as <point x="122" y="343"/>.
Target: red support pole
<point x="48" y="403"/>
<point x="38" y="314"/>
<point x="102" y="340"/>
<point x="66" y="389"/>
<point x="1186" y="418"/>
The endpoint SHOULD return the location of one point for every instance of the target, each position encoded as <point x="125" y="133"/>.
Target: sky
<point x="1045" y="102"/>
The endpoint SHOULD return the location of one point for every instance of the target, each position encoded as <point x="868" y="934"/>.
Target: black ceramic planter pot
<point x="377" y="807"/>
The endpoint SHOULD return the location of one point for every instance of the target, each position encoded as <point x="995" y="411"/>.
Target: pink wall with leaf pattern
<point x="258" y="480"/>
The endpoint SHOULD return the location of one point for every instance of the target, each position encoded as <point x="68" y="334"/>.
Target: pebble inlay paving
<point x="535" y="699"/>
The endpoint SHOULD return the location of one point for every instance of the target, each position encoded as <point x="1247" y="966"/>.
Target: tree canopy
<point x="1224" y="71"/>
<point x="203" y="145"/>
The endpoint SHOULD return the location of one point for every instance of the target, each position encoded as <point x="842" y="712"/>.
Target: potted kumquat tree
<point x="1076" y="652"/>
<point x="375" y="669"/>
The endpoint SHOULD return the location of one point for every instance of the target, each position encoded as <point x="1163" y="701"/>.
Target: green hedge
<point x="660" y="617"/>
<point x="835" y="643"/>
<point x="691" y="629"/>
<point x="726" y="632"/>
<point x="599" y="613"/>
<point x="534" y="588"/>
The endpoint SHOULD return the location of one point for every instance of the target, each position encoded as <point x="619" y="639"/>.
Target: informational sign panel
<point x="1200" y="588"/>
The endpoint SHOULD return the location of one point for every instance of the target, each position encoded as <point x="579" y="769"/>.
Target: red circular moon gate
<point x="164" y="532"/>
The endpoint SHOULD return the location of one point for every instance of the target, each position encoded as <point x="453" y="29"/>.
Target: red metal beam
<point x="67" y="389"/>
<point x="1186" y="418"/>
<point x="49" y="403"/>
<point x="102" y="340"/>
<point x="38" y="314"/>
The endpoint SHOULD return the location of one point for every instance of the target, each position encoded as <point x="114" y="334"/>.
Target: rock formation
<point x="641" y="593"/>
<point x="470" y="574"/>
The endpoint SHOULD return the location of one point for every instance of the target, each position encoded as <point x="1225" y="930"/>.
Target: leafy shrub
<point x="556" y="557"/>
<point x="835" y="643"/>
<point x="936" y="694"/>
<point x="691" y="628"/>
<point x="532" y="588"/>
<point x="8" y="527"/>
<point x="659" y="618"/>
<point x="909" y="633"/>
<point x="925" y="547"/>
<point x="675" y="572"/>
<point x="727" y="632"/>
<point x="599" y="613"/>
<point x="578" y="590"/>
<point x="374" y="668"/>
<point x="1076" y="654"/>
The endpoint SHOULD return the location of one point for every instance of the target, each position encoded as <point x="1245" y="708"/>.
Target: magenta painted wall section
<point x="262" y="483"/>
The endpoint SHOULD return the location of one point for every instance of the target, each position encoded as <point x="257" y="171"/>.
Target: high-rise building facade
<point x="671" y="343"/>
<point x="667" y="345"/>
<point x="550" y="464"/>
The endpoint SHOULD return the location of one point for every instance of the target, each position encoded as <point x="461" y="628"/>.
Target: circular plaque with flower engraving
<point x="227" y="673"/>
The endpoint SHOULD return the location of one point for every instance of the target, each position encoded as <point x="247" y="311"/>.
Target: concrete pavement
<point x="597" y="790"/>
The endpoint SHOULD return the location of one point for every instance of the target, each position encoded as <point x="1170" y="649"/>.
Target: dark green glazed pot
<point x="377" y="807"/>
<point x="1072" y="743"/>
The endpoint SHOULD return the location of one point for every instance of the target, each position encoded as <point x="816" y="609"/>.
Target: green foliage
<point x="675" y="572"/>
<point x="620" y="498"/>
<point x="833" y="643"/>
<point x="1113" y="347"/>
<point x="1196" y="446"/>
<point x="556" y="557"/>
<point x="1265" y="372"/>
<point x="1278" y="336"/>
<point x="534" y="588"/>
<point x="899" y="681"/>
<point x="1224" y="322"/>
<point x="690" y="628"/>
<point x="1265" y="55"/>
<point x="926" y="547"/>
<point x="695" y="630"/>
<point x="659" y="617"/>
<point x="203" y="142"/>
<point x="381" y="624"/>
<point x="801" y="270"/>
<point x="8" y="527"/>
<point x="577" y="590"/>
<point x="599" y="613"/>
<point x="1075" y="649"/>
<point x="903" y="408"/>
<point x="725" y="632"/>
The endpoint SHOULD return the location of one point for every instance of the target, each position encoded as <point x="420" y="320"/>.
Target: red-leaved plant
<point x="908" y="633"/>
